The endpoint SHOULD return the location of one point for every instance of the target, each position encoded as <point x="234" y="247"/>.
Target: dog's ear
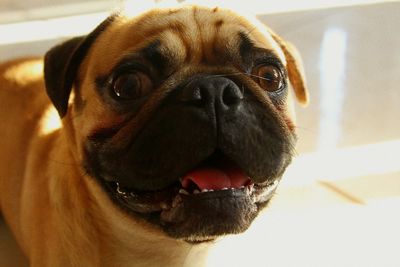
<point x="61" y="65"/>
<point x="295" y="69"/>
<point x="60" y="68"/>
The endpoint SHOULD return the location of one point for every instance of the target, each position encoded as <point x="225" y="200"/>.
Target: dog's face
<point x="181" y="116"/>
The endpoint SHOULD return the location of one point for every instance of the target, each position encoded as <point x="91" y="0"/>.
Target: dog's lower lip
<point x="165" y="200"/>
<point x="261" y="192"/>
<point x="176" y="212"/>
<point x="196" y="193"/>
<point x="198" y="216"/>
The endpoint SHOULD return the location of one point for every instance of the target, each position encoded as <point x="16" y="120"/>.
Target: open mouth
<point x="216" y="196"/>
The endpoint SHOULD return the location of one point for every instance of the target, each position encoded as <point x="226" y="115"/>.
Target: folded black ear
<point x="61" y="65"/>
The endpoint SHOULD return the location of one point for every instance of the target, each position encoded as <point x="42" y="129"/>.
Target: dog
<point x="147" y="138"/>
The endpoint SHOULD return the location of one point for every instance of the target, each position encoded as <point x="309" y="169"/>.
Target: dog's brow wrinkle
<point x="246" y="45"/>
<point x="152" y="53"/>
<point x="219" y="23"/>
<point x="200" y="33"/>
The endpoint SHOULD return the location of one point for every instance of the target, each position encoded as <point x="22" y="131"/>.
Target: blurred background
<point x="339" y="202"/>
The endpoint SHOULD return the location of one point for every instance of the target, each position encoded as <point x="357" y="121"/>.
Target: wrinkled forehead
<point x="189" y="35"/>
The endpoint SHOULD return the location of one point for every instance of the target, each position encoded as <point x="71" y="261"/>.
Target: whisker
<point x="259" y="77"/>
<point x="239" y="73"/>
<point x="227" y="74"/>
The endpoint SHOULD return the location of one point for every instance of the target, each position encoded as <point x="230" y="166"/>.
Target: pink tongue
<point x="216" y="179"/>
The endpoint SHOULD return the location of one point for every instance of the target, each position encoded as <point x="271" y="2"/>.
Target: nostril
<point x="231" y="95"/>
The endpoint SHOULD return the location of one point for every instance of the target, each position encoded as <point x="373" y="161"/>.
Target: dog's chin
<point x="188" y="211"/>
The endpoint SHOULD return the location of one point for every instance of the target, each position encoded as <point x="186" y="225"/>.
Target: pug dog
<point x="174" y="129"/>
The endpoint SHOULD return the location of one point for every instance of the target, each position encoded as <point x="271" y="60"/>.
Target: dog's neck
<point x="126" y="250"/>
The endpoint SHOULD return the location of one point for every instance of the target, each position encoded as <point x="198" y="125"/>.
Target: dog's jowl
<point x="175" y="129"/>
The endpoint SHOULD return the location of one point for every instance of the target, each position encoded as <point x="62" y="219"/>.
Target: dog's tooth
<point x="196" y="191"/>
<point x="250" y="188"/>
<point x="120" y="190"/>
<point x="183" y="192"/>
<point x="225" y="188"/>
<point x="204" y="190"/>
<point x="210" y="190"/>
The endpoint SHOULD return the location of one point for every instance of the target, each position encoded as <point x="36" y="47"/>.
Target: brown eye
<point x="132" y="85"/>
<point x="269" y="77"/>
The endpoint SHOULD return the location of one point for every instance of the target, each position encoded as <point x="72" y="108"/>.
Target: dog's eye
<point x="269" y="77"/>
<point x="131" y="85"/>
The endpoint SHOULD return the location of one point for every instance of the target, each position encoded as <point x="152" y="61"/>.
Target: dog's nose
<point x="218" y="92"/>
